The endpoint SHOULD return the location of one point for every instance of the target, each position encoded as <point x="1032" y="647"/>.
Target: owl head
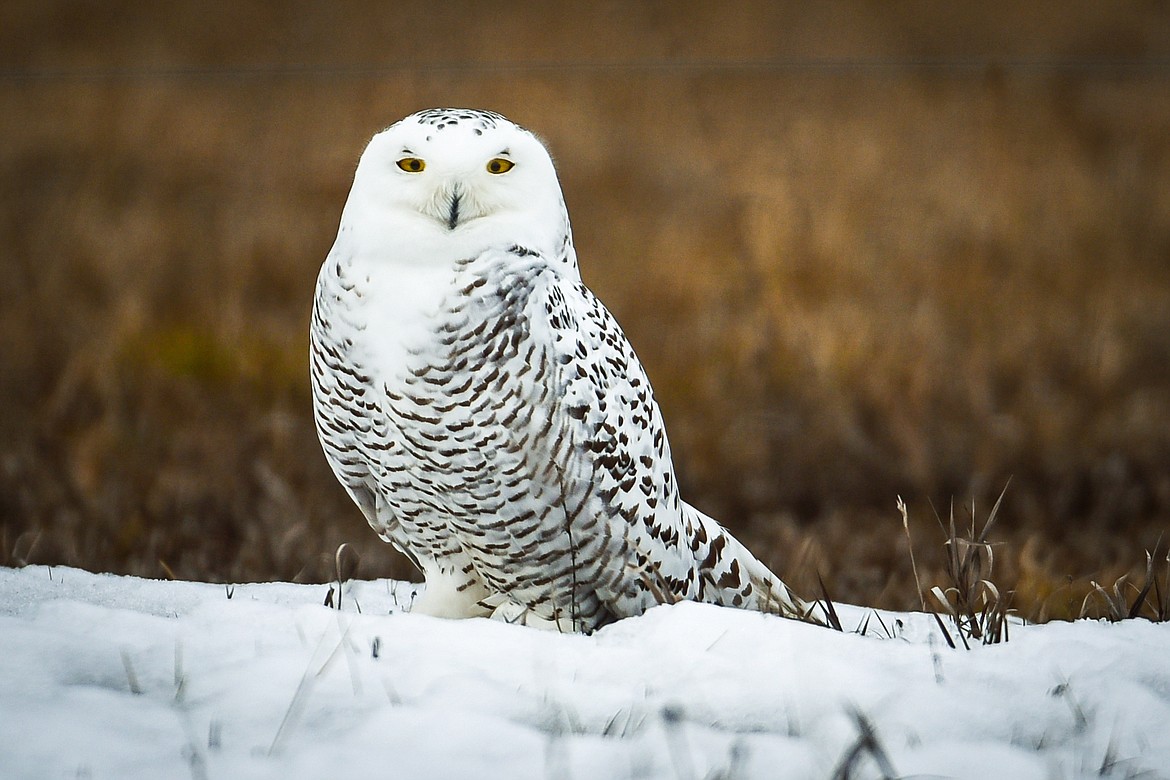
<point x="450" y="183"/>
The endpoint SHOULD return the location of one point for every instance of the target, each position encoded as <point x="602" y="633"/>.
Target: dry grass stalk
<point x="977" y="607"/>
<point x="1126" y="600"/>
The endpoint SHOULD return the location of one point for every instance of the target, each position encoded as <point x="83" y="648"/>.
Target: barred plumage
<point x="484" y="409"/>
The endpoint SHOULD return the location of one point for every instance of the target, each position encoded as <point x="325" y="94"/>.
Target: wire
<point x="951" y="66"/>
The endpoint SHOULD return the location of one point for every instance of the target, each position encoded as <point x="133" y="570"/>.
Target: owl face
<point x="461" y="176"/>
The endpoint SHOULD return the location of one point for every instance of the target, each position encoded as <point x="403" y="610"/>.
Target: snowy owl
<point x="483" y="408"/>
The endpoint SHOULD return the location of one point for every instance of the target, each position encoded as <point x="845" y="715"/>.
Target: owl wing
<point x="662" y="550"/>
<point x="620" y="455"/>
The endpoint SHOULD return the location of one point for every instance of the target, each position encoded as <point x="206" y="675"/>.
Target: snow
<point x="104" y="676"/>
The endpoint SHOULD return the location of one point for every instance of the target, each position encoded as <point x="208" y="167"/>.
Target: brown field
<point x="864" y="253"/>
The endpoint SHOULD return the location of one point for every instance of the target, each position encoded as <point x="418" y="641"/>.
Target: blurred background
<point x="865" y="250"/>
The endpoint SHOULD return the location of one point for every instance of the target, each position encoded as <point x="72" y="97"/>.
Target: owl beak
<point x="453" y="213"/>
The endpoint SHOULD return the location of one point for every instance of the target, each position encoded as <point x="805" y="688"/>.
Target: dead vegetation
<point x="847" y="283"/>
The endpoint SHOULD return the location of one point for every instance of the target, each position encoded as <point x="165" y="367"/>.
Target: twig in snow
<point x="131" y="678"/>
<point x="304" y="687"/>
<point x="680" y="755"/>
<point x="867" y="744"/>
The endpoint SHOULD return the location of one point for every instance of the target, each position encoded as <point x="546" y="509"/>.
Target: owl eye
<point x="500" y="165"/>
<point x="411" y="164"/>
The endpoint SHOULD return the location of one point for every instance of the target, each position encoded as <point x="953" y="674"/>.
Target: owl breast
<point x="444" y="419"/>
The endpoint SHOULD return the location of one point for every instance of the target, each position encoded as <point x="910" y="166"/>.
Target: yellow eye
<point x="411" y="164"/>
<point x="500" y="165"/>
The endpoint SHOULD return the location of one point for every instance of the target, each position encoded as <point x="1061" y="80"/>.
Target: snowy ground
<point x="118" y="677"/>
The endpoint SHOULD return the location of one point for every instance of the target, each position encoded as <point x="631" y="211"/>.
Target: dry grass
<point x="847" y="284"/>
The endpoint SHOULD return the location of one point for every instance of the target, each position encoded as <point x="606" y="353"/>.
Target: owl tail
<point x="731" y="576"/>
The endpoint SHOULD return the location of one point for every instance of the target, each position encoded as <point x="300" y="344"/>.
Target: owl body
<point x="484" y="409"/>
